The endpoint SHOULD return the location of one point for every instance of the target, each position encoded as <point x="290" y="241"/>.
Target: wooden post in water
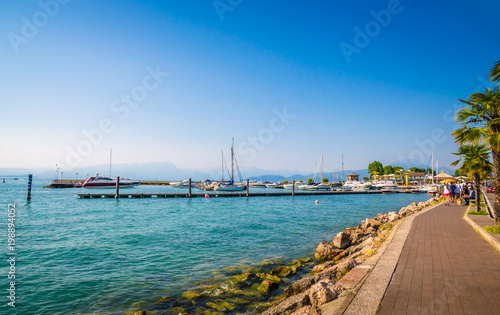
<point x="117" y="187"/>
<point x="247" y="187"/>
<point x="30" y="181"/>
<point x="189" y="195"/>
<point x="293" y="188"/>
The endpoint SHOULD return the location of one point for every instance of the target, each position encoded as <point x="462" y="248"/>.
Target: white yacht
<point x="183" y="184"/>
<point x="357" y="186"/>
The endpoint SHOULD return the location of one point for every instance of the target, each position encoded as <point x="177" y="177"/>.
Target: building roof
<point x="416" y="174"/>
<point x="352" y="174"/>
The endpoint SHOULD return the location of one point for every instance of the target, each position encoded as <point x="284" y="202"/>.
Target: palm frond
<point x="494" y="74"/>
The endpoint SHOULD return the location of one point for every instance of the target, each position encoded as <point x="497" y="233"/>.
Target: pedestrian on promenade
<point x="466" y="190"/>
<point x="446" y="194"/>
<point x="471" y="196"/>
<point x="452" y="190"/>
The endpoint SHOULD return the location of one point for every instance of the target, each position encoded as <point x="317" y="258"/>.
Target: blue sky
<point x="271" y="75"/>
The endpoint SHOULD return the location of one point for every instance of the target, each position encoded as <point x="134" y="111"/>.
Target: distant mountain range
<point x="168" y="171"/>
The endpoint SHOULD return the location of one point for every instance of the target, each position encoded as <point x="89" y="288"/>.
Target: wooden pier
<point x="227" y="194"/>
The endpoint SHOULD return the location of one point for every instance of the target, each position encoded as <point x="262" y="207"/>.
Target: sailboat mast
<point x="342" y="168"/>
<point x="321" y="179"/>
<point x="432" y="169"/>
<point x="110" y="155"/>
<point x="232" y="161"/>
<point x="437" y="168"/>
<point x="222" y="168"/>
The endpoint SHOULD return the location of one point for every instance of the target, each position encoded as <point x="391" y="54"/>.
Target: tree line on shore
<point x="377" y="168"/>
<point x="479" y="135"/>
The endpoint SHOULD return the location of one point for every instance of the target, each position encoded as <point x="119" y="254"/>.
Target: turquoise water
<point x="80" y="256"/>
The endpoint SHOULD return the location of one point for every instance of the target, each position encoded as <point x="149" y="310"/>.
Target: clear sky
<point x="289" y="80"/>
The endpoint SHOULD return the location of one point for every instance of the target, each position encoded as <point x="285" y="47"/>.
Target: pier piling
<point x="189" y="194"/>
<point x="293" y="188"/>
<point x="30" y="181"/>
<point x="117" y="187"/>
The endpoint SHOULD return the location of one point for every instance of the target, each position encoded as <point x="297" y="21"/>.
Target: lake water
<point x="80" y="256"/>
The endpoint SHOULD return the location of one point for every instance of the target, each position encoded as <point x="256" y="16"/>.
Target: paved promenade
<point x="445" y="268"/>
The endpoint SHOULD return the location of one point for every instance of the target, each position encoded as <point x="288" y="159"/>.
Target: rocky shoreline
<point x="299" y="286"/>
<point x="332" y="278"/>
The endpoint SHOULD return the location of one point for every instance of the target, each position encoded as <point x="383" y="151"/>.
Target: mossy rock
<point x="221" y="305"/>
<point x="301" y="262"/>
<point x="266" y="276"/>
<point x="271" y="262"/>
<point x="165" y="299"/>
<point x="238" y="301"/>
<point x="242" y="277"/>
<point x="178" y="310"/>
<point x="136" y="313"/>
<point x="265" y="287"/>
<point x="298" y="263"/>
<point x="284" y="271"/>
<point x="190" y="295"/>
<point x="210" y="312"/>
<point x="245" y="292"/>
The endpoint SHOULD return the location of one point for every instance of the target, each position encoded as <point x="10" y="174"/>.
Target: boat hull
<point x="229" y="188"/>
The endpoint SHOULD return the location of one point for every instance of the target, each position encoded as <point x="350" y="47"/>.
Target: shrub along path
<point x="445" y="268"/>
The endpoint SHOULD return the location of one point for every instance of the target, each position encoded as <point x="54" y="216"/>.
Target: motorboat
<point x="183" y="184"/>
<point x="99" y="181"/>
<point x="272" y="185"/>
<point x="389" y="191"/>
<point x="258" y="184"/>
<point x="319" y="187"/>
<point x="357" y="186"/>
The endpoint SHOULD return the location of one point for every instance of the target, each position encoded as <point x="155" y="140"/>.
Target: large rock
<point x="393" y="216"/>
<point x="289" y="305"/>
<point x="371" y="223"/>
<point x="341" y="240"/>
<point x="326" y="251"/>
<point x="306" y="310"/>
<point x="358" y="237"/>
<point x="323" y="266"/>
<point x="324" y="292"/>
<point x="300" y="286"/>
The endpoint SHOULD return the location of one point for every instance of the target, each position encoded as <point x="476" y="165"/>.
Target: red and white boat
<point x="99" y="181"/>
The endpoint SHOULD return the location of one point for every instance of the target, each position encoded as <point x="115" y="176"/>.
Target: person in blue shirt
<point x="452" y="189"/>
<point x="471" y="196"/>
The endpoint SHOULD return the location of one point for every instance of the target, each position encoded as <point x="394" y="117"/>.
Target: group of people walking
<point x="458" y="192"/>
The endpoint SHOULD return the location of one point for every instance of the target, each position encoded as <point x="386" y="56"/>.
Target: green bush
<point x="492" y="229"/>
<point x="481" y="212"/>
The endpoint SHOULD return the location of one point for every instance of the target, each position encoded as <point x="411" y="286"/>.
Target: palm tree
<point x="476" y="163"/>
<point x="494" y="74"/>
<point x="480" y="121"/>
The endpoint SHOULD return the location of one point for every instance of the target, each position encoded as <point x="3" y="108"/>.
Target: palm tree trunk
<point x="496" y="169"/>
<point x="477" y="188"/>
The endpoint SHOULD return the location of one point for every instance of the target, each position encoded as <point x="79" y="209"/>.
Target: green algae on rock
<point x="266" y="276"/>
<point x="284" y="271"/>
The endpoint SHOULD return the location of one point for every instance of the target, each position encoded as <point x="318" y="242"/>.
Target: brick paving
<point x="445" y="267"/>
